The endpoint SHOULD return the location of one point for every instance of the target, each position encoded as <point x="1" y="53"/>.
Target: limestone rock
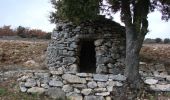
<point x="31" y="63"/>
<point x="100" y="89"/>
<point x="36" y="90"/>
<point x="98" y="42"/>
<point x="158" y="87"/>
<point x="56" y="72"/>
<point x="118" y="77"/>
<point x="86" y="91"/>
<point x="73" y="68"/>
<point x="100" y="77"/>
<point x="55" y="83"/>
<point x="101" y="84"/>
<point x="84" y="74"/>
<point x="103" y="93"/>
<point x="79" y="86"/>
<point x="75" y="98"/>
<point x="30" y="83"/>
<point x="73" y="78"/>
<point x="101" y="69"/>
<point x="92" y="84"/>
<point x="94" y="98"/>
<point x="56" y="93"/>
<point x="151" y="81"/>
<point x="67" y="88"/>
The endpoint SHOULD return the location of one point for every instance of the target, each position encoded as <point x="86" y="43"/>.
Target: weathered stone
<point x="55" y="83"/>
<point x="114" y="71"/>
<point x="30" y="83"/>
<point x="158" y="87"/>
<point x="100" y="77"/>
<point x="100" y="52"/>
<point x="41" y="75"/>
<point x="73" y="68"/>
<point x="101" y="84"/>
<point x="110" y="65"/>
<point x="118" y="84"/>
<point x="36" y="90"/>
<point x="79" y="86"/>
<point x="67" y="88"/>
<point x="75" y="98"/>
<point x="108" y="98"/>
<point x="101" y="69"/>
<point x="76" y="90"/>
<point x="86" y="91"/>
<point x="109" y="88"/>
<point x="72" y="94"/>
<point x="89" y="79"/>
<point x="84" y="74"/>
<point x="92" y="84"/>
<point x="103" y="93"/>
<point x="151" y="81"/>
<point x="56" y="72"/>
<point x="73" y="78"/>
<point x="31" y="63"/>
<point x="111" y="83"/>
<point x="56" y="93"/>
<point x="118" y="77"/>
<point x="100" y="89"/>
<point x="94" y="98"/>
<point x="68" y="60"/>
<point x="45" y="86"/>
<point x="22" y="87"/>
<point x="98" y="42"/>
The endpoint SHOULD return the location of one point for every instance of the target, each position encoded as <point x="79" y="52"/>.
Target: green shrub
<point x="166" y="40"/>
<point x="158" y="40"/>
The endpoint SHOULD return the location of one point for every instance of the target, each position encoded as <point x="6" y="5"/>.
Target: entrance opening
<point x="87" y="57"/>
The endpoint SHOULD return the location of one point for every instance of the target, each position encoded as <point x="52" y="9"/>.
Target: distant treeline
<point x="157" y="40"/>
<point x="24" y="32"/>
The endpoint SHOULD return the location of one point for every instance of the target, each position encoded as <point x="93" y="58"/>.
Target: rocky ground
<point x="22" y="56"/>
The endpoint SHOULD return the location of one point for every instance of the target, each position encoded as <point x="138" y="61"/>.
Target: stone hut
<point x="85" y="62"/>
<point x="90" y="47"/>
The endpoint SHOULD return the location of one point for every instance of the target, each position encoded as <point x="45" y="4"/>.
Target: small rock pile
<point x="79" y="86"/>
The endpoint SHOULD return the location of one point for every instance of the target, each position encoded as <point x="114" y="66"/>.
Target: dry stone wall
<point x="79" y="86"/>
<point x="109" y="40"/>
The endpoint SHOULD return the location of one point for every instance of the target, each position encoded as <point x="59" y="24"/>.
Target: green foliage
<point x="166" y="40"/>
<point x="75" y="10"/>
<point x="21" y="31"/>
<point x="2" y="91"/>
<point x="158" y="40"/>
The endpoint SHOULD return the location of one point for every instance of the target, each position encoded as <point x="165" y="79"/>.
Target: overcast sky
<point x="34" y="14"/>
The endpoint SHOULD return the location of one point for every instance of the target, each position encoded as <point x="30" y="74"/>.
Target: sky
<point x="35" y="14"/>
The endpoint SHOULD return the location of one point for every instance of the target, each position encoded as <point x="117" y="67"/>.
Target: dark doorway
<point x="87" y="57"/>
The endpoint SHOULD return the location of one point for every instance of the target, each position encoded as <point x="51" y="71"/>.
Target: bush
<point x="166" y="40"/>
<point x="7" y="31"/>
<point x="158" y="40"/>
<point x="47" y="36"/>
<point x="21" y="31"/>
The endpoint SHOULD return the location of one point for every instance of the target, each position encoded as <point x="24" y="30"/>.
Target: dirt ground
<point x="30" y="54"/>
<point x="22" y="53"/>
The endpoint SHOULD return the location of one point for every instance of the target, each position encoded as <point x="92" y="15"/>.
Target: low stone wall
<point x="79" y="86"/>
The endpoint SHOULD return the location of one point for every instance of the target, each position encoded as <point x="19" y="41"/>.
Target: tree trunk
<point x="133" y="45"/>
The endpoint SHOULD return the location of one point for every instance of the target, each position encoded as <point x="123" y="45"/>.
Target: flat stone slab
<point x="158" y="87"/>
<point x="73" y="78"/>
<point x="151" y="81"/>
<point x="100" y="77"/>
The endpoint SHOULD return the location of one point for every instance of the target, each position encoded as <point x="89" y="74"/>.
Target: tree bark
<point x="133" y="45"/>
